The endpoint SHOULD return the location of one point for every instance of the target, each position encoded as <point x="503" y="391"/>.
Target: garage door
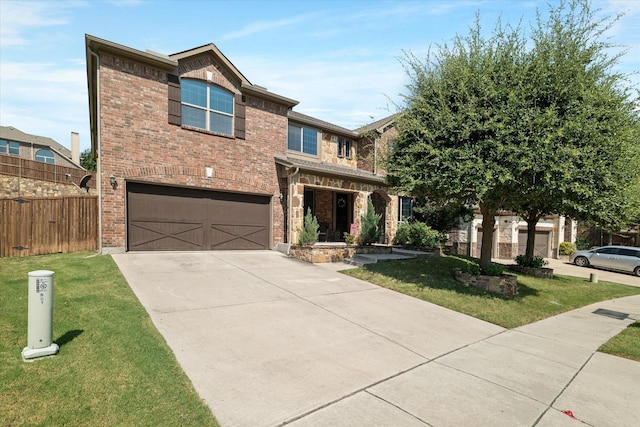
<point x="541" y="247"/>
<point x="168" y="218"/>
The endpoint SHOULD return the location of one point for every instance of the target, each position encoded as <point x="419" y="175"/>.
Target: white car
<point x="620" y="258"/>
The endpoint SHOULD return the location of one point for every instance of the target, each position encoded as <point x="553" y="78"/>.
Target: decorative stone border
<point x="320" y="253"/>
<point x="506" y="285"/>
<point x="544" y="273"/>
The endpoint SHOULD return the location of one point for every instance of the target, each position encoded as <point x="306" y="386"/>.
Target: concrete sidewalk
<point x="268" y="340"/>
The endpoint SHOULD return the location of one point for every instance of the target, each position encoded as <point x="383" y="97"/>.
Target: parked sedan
<point x="620" y="258"/>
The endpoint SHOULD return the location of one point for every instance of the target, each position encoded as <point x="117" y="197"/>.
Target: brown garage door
<point x="541" y="247"/>
<point x="169" y="218"/>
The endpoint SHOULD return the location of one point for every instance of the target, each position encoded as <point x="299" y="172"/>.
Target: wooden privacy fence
<point x="38" y="225"/>
<point x="16" y="166"/>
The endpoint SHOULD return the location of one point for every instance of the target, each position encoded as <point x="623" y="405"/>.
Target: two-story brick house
<point x="193" y="156"/>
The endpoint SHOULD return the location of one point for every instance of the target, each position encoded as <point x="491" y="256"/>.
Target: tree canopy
<point x="536" y="126"/>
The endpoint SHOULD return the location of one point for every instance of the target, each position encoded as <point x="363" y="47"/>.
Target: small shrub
<point x="349" y="239"/>
<point x="493" y="269"/>
<point x="369" y="232"/>
<point x="402" y="235"/>
<point x="417" y="234"/>
<point x="473" y="269"/>
<point x="531" y="262"/>
<point x="582" y="243"/>
<point x="310" y="232"/>
<point x="567" y="248"/>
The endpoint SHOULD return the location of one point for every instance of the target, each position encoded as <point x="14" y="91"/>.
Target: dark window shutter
<point x="240" y="115"/>
<point x="175" y="107"/>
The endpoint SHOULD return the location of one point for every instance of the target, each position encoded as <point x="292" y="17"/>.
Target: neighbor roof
<point x="378" y="125"/>
<point x="312" y="121"/>
<point x="13" y="134"/>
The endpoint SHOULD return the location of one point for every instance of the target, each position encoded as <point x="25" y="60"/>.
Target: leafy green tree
<point x="455" y="137"/>
<point x="442" y="217"/>
<point x="369" y="230"/>
<point x="575" y="125"/>
<point x="87" y="161"/>
<point x="538" y="129"/>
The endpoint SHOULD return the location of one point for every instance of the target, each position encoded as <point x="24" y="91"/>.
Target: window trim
<point x="208" y="110"/>
<point x="45" y="159"/>
<point x="401" y="217"/>
<point x="345" y="147"/>
<point x="12" y="148"/>
<point x="302" y="129"/>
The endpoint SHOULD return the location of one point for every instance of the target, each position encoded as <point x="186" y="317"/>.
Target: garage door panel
<point x="158" y="235"/>
<point x="541" y="247"/>
<point x="168" y="218"/>
<point x="238" y="236"/>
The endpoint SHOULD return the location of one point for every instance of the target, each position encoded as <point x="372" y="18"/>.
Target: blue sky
<point x="339" y="59"/>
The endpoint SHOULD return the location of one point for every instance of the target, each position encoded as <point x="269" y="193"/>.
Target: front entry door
<point x="343" y="215"/>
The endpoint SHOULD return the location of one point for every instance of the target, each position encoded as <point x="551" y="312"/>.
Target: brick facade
<point x="139" y="138"/>
<point x="138" y="144"/>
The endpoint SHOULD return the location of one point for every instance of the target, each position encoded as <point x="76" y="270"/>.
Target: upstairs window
<point x="207" y="106"/>
<point x="404" y="209"/>
<point x="46" y="156"/>
<point x="303" y="140"/>
<point x="9" y="147"/>
<point x="344" y="148"/>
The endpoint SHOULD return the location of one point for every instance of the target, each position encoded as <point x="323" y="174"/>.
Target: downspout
<point x="289" y="203"/>
<point x="99" y="162"/>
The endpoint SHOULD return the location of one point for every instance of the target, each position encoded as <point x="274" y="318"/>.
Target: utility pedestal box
<point x="40" y="316"/>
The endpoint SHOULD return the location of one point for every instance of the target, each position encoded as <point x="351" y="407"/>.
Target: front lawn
<point x="432" y="280"/>
<point x="625" y="344"/>
<point x="113" y="368"/>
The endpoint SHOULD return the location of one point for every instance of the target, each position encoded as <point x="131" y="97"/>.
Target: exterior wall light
<point x="113" y="182"/>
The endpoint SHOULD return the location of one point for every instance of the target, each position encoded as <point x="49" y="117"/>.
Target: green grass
<point x="625" y="344"/>
<point x="432" y="280"/>
<point x="113" y="368"/>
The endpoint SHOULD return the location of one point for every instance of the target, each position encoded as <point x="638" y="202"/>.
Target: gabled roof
<point x="13" y="134"/>
<point x="378" y="125"/>
<point x="312" y="121"/>
<point x="213" y="49"/>
<point x="329" y="169"/>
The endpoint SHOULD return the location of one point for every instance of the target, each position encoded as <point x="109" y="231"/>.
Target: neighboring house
<point x="193" y="156"/>
<point x="32" y="165"/>
<point x="510" y="236"/>
<point x="14" y="142"/>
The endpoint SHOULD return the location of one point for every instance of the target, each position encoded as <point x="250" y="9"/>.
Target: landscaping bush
<point x="493" y="269"/>
<point x="310" y="232"/>
<point x="349" y="239"/>
<point x="417" y="234"/>
<point x="369" y="231"/>
<point x="582" y="243"/>
<point x="531" y="262"/>
<point x="567" y="248"/>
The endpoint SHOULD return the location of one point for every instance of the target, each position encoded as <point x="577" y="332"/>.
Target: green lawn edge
<point x="113" y="368"/>
<point x="432" y="280"/>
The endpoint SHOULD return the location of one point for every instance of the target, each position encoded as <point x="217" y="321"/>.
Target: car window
<point x="607" y="251"/>
<point x="629" y="252"/>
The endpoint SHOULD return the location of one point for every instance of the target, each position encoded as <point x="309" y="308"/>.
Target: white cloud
<point x="17" y="18"/>
<point x="262" y="26"/>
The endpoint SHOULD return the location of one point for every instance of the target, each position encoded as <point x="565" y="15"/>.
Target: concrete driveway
<point x="268" y="340"/>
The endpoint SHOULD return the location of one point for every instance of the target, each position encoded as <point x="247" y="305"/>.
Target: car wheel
<point x="581" y="261"/>
<point x="637" y="271"/>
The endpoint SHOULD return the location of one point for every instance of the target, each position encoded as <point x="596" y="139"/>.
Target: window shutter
<point x="175" y="107"/>
<point x="240" y="115"/>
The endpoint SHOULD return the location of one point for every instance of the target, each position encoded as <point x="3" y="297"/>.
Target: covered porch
<point x="337" y="196"/>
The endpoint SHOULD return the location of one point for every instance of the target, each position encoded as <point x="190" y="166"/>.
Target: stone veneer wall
<point x="360" y="191"/>
<point x="13" y="186"/>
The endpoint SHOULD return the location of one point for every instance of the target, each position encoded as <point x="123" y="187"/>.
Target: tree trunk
<point x="532" y="220"/>
<point x="488" y="222"/>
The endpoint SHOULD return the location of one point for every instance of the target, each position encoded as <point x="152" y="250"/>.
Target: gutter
<point x="97" y="142"/>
